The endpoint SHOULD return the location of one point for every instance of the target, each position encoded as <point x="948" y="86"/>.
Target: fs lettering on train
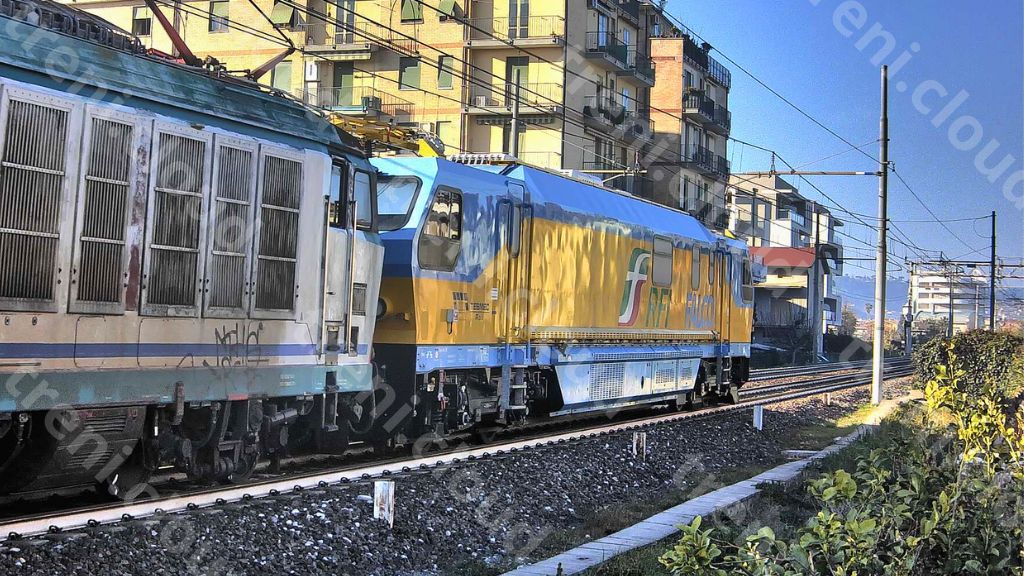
<point x="700" y="309"/>
<point x="637" y="277"/>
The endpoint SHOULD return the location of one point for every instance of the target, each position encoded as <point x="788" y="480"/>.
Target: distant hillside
<point x="859" y="291"/>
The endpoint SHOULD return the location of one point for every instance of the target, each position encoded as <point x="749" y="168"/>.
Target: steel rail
<point x="786" y="372"/>
<point x="57" y="522"/>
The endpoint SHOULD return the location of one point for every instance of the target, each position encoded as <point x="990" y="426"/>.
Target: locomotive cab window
<point x="748" y="282"/>
<point x="396" y="196"/>
<point x="662" y="259"/>
<point x="441" y="238"/>
<point x="362" y="193"/>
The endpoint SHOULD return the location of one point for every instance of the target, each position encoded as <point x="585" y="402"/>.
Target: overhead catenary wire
<point x="264" y="36"/>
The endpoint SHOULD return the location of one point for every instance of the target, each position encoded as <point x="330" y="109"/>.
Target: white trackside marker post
<point x="384" y="501"/>
<point x="640" y="445"/>
<point x="828" y="398"/>
<point x="759" y="417"/>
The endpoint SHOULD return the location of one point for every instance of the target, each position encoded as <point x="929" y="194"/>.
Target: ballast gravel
<point x="494" y="510"/>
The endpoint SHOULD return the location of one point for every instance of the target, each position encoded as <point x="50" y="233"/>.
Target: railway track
<point x="814" y="369"/>
<point x="21" y="528"/>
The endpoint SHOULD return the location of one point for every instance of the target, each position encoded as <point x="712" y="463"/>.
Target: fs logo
<point x="636" y="278"/>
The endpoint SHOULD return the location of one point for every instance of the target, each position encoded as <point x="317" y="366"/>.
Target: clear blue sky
<point x="795" y="47"/>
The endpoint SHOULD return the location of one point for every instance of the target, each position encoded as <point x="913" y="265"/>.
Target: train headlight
<point x="382" y="308"/>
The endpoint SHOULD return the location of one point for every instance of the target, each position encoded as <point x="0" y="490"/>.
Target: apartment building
<point x="690" y="109"/>
<point x="930" y="297"/>
<point x="797" y="241"/>
<point x="449" y="67"/>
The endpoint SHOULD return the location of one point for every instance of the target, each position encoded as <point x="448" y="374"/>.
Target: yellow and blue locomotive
<point x="511" y="292"/>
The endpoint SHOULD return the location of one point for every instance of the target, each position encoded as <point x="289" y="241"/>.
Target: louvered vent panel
<point x="232" y="228"/>
<point x="606" y="380"/>
<point x="105" y="209"/>
<point x="279" y="220"/>
<point x="31" y="181"/>
<point x="178" y="203"/>
<point x="665" y="375"/>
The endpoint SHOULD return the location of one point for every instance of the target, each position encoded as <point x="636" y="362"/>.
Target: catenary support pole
<point x="992" y="279"/>
<point x="877" y="368"/>
<point x="513" y="146"/>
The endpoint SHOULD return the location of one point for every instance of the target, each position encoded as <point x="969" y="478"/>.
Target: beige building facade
<point x="448" y="67"/>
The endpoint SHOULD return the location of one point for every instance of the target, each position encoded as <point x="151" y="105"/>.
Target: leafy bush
<point x="984" y="358"/>
<point x="943" y="495"/>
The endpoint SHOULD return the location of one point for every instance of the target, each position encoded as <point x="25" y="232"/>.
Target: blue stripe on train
<point x="150" y="350"/>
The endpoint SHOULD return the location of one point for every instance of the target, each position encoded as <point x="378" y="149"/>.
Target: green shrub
<point x="944" y="494"/>
<point x="984" y="358"/>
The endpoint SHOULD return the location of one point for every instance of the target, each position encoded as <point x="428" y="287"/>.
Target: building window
<point x="142" y="21"/>
<point x="409" y="74"/>
<point x="688" y="79"/>
<point x="281" y="76"/>
<point x="445" y="72"/>
<point x="219" y="16"/>
<point x="284" y="15"/>
<point x="445" y="131"/>
<point x="441" y="238"/>
<point x="412" y="11"/>
<point x="662" y="273"/>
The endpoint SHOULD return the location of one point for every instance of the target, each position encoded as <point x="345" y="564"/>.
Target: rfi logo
<point x="636" y="277"/>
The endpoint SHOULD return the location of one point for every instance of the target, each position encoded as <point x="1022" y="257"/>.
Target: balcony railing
<point x="640" y="66"/>
<point x="719" y="73"/>
<point x="696" y="102"/>
<point x="722" y="166"/>
<point x="703" y="159"/>
<point x="695" y="54"/>
<point x="603" y="111"/>
<point x="359" y="100"/>
<point x="536" y="94"/>
<point x="608" y="45"/>
<point x="339" y="33"/>
<point x="515" y="29"/>
<point x="543" y="159"/>
<point x="723" y="118"/>
<point x="635" y="127"/>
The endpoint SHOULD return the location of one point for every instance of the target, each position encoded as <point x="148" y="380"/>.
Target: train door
<point x="513" y="281"/>
<point x="513" y="300"/>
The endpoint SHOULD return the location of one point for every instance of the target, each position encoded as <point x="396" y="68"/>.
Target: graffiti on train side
<point x="701" y="311"/>
<point x="238" y="344"/>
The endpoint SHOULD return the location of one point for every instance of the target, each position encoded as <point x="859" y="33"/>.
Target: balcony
<point x="602" y="113"/>
<point x="361" y="102"/>
<point x="721" y="122"/>
<point x="606" y="47"/>
<point x="552" y="160"/>
<point x="698" y="107"/>
<point x="706" y="162"/>
<point x="346" y="41"/>
<point x="536" y="31"/>
<point x="695" y="54"/>
<point x="640" y="66"/>
<point x="634" y="128"/>
<point x="630" y="9"/>
<point x="719" y="73"/>
<point x="534" y="98"/>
